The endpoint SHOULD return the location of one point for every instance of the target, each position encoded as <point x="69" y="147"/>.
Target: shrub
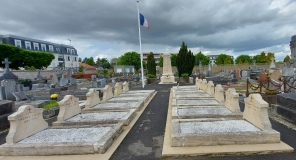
<point x="51" y="104"/>
<point x="151" y="76"/>
<point x="185" y="75"/>
<point x="151" y="65"/>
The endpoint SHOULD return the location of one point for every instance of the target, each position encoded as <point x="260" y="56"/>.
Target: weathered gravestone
<point x="211" y="88"/>
<point x="117" y="89"/>
<point x="27" y="121"/>
<point x="167" y="74"/>
<point x="285" y="106"/>
<point x="92" y="98"/>
<point x="10" y="87"/>
<point x="107" y="93"/>
<point x="69" y="107"/>
<point x="7" y="74"/>
<point x="263" y="78"/>
<point x="219" y="94"/>
<point x="125" y="87"/>
<point x="231" y="101"/>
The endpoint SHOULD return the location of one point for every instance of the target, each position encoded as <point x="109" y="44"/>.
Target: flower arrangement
<point x="54" y="96"/>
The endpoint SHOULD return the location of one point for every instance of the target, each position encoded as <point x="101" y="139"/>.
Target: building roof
<point x="86" y="65"/>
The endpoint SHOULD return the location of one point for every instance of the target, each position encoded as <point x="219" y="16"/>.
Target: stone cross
<point x="6" y="62"/>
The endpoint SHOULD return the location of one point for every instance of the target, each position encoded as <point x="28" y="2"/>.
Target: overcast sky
<point x="109" y="28"/>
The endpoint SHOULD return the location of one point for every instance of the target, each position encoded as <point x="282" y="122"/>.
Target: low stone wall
<point x="217" y="68"/>
<point x="25" y="74"/>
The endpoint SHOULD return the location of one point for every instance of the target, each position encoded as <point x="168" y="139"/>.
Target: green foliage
<point x="113" y="62"/>
<point x="269" y="56"/>
<point x="79" y="59"/>
<point x="144" y="65"/>
<point x="151" y="75"/>
<point x="131" y="58"/>
<point x="20" y="80"/>
<point x="185" y="75"/>
<point x="260" y="58"/>
<point x="80" y="68"/>
<point x="21" y="57"/>
<point x="50" y="104"/>
<point x="243" y="59"/>
<point x="160" y="61"/>
<point x="287" y="58"/>
<point x="29" y="68"/>
<point x="185" y="60"/>
<point x="174" y="59"/>
<point x="90" y="61"/>
<point x="223" y="59"/>
<point x="151" y="65"/>
<point x="201" y="57"/>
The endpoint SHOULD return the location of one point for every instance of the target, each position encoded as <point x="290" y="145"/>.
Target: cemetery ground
<point x="145" y="139"/>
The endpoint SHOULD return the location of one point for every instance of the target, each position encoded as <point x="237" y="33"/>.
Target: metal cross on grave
<point x="6" y="62"/>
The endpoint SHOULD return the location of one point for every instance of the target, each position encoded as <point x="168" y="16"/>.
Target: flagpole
<point x="140" y="45"/>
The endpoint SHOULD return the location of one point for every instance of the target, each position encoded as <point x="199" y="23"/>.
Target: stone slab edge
<point x="124" y="120"/>
<point x="138" y="108"/>
<point x="63" y="148"/>
<point x="223" y="150"/>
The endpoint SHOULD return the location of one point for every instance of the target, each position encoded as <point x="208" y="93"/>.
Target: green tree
<point x="174" y="59"/>
<point x="131" y="58"/>
<point x="201" y="57"/>
<point x="151" y="65"/>
<point x="287" y="58"/>
<point x="25" y="58"/>
<point x="98" y="62"/>
<point x="160" y="61"/>
<point x="223" y="59"/>
<point x="79" y="59"/>
<point x="260" y="58"/>
<point x="90" y="61"/>
<point x="269" y="56"/>
<point x="243" y="59"/>
<point x="185" y="60"/>
<point x="114" y="61"/>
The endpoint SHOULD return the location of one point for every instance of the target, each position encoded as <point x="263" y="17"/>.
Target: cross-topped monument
<point x="7" y="74"/>
<point x="6" y="62"/>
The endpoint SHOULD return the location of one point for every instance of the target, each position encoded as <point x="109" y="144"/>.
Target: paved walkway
<point x="144" y="141"/>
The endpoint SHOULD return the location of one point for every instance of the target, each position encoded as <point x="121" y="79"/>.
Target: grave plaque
<point x="27" y="121"/>
<point x="210" y="88"/>
<point x="107" y="93"/>
<point x="219" y="93"/>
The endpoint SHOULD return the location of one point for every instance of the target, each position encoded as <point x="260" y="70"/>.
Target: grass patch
<point x="50" y="104"/>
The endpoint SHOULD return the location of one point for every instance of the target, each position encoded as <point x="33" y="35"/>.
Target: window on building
<point x="28" y="45"/>
<point x="68" y="58"/>
<point x="58" y="49"/>
<point x="43" y="47"/>
<point x="75" y="59"/>
<point x="50" y="48"/>
<point x="72" y="51"/>
<point x="36" y="46"/>
<point x="68" y="50"/>
<point x="18" y="43"/>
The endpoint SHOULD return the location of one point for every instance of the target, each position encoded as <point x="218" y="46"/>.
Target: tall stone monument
<point x="167" y="75"/>
<point x="288" y="70"/>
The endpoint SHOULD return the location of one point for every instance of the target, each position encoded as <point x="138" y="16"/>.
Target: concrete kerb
<point x="223" y="150"/>
<point x="104" y="156"/>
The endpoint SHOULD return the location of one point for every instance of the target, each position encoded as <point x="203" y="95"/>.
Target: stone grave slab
<point x="65" y="140"/>
<point x="185" y="95"/>
<point x="213" y="132"/>
<point x="101" y="117"/>
<point x="204" y="112"/>
<point x="115" y="106"/>
<point x="140" y="91"/>
<point x="129" y="98"/>
<point x="195" y="102"/>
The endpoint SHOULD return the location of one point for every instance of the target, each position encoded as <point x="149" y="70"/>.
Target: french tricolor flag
<point x="143" y="21"/>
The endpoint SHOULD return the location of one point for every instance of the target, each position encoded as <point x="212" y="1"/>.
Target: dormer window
<point x="36" y="46"/>
<point x="28" y="45"/>
<point x="68" y="50"/>
<point x="18" y="43"/>
<point x="50" y="47"/>
<point x="43" y="47"/>
<point x="58" y="49"/>
<point x="72" y="51"/>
